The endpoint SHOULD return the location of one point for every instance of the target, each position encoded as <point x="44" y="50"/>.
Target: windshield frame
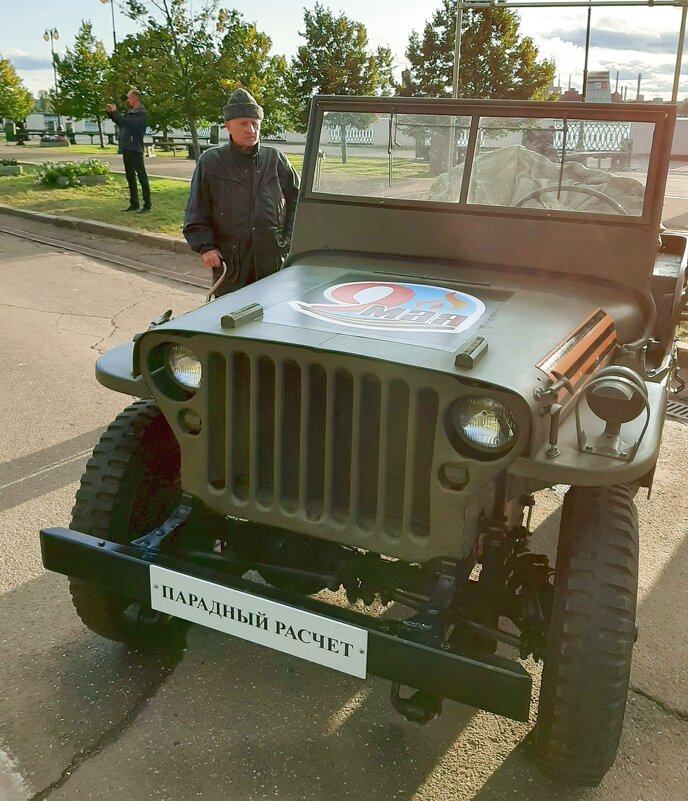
<point x="660" y="116"/>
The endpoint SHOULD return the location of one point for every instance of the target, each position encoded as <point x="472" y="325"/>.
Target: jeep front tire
<point x="587" y="667"/>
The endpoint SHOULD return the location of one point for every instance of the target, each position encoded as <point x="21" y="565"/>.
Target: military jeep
<point x="339" y="462"/>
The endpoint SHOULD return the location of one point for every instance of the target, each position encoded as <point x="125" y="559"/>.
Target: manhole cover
<point x="677" y="411"/>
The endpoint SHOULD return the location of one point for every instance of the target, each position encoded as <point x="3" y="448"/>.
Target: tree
<point x="42" y="102"/>
<point x="336" y="61"/>
<point x="81" y="89"/>
<point x="182" y="61"/>
<point x="496" y="61"/>
<point x="16" y="102"/>
<point x="139" y="61"/>
<point x="246" y="62"/>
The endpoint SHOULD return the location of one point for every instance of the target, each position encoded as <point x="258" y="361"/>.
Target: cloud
<point x="638" y="41"/>
<point x="630" y="68"/>
<point x="24" y="61"/>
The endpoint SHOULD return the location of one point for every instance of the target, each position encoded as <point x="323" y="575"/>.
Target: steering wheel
<point x="537" y="194"/>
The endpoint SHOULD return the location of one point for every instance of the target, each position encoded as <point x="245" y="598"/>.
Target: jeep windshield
<point x="580" y="165"/>
<point x="574" y="189"/>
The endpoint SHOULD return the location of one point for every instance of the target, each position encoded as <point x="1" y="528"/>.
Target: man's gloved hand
<point x="211" y="258"/>
<point x="284" y="246"/>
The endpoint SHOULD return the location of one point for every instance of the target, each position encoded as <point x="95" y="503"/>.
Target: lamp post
<point x="679" y="52"/>
<point x="457" y="49"/>
<point x="112" y="10"/>
<point x="51" y="35"/>
<point x="584" y="93"/>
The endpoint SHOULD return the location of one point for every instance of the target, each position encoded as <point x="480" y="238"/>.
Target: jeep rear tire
<point x="130" y="486"/>
<point x="591" y="635"/>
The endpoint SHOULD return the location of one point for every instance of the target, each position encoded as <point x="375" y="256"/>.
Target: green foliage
<point x="336" y="61"/>
<point x="496" y="61"/>
<point x="245" y="61"/>
<point x="186" y="65"/>
<point x="175" y="61"/>
<point x="50" y="172"/>
<point x="8" y="162"/>
<point x="82" y="72"/>
<point x="16" y="102"/>
<point x="42" y="102"/>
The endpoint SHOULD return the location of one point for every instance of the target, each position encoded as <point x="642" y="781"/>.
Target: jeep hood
<point x="389" y="310"/>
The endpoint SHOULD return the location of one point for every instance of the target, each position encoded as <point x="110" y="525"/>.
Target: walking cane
<point x="218" y="283"/>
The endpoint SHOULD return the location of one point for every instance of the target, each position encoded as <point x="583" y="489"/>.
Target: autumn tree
<point x="82" y="71"/>
<point x="496" y="61"/>
<point x="138" y="62"/>
<point x="336" y="60"/>
<point x="16" y="102"/>
<point x="42" y="102"/>
<point x="181" y="59"/>
<point x="245" y="61"/>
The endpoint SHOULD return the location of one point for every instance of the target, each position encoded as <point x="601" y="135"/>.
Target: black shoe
<point x="131" y="207"/>
<point x="144" y="209"/>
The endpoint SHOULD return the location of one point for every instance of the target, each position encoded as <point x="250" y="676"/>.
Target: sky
<point x="627" y="40"/>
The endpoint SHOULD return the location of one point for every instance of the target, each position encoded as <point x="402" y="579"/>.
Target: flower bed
<point x="72" y="173"/>
<point x="9" y="167"/>
<point x="54" y="141"/>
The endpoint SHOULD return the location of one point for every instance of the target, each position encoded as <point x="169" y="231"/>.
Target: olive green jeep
<point x="339" y="462"/>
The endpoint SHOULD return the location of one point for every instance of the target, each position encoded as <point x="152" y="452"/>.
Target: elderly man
<point x="132" y="128"/>
<point x="242" y="202"/>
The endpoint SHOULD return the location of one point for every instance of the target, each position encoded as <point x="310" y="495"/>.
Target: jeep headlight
<point x="184" y="366"/>
<point x="484" y="427"/>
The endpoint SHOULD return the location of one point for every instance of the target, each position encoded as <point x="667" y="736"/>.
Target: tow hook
<point x="418" y="708"/>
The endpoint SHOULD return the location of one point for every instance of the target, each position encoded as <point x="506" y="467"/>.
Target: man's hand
<point x="211" y="258"/>
<point x="110" y="107"/>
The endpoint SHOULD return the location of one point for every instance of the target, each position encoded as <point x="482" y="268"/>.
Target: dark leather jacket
<point x="132" y="128"/>
<point x="244" y="206"/>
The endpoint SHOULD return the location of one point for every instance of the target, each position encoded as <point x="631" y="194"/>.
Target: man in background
<point x="132" y="128"/>
<point x="242" y="202"/>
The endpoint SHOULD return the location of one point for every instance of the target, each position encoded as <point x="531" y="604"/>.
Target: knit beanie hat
<point x="242" y="104"/>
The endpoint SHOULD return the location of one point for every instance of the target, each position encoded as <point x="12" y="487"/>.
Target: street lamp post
<point x="679" y="52"/>
<point x="112" y="10"/>
<point x="457" y="49"/>
<point x="51" y="35"/>
<point x="584" y="93"/>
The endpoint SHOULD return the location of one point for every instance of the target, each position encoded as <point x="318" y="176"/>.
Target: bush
<point x="8" y="162"/>
<point x="49" y="173"/>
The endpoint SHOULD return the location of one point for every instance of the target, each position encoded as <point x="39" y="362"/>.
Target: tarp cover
<point x="502" y="177"/>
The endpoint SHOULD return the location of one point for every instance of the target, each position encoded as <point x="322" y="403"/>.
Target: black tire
<point x="131" y="485"/>
<point x="592" y="631"/>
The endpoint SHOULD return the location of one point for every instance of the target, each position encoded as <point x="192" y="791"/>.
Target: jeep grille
<point x="331" y="445"/>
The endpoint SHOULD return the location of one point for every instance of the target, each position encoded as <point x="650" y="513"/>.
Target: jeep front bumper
<point x="481" y="680"/>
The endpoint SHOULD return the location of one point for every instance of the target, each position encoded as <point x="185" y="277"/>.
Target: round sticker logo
<point x="392" y="306"/>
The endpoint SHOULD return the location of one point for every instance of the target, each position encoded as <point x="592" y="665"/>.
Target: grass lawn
<point x="79" y="150"/>
<point x="373" y="166"/>
<point x="101" y="203"/>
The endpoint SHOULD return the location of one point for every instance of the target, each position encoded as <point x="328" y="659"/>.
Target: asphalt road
<point x="82" y="718"/>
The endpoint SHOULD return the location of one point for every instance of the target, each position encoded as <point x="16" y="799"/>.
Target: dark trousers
<point x="133" y="167"/>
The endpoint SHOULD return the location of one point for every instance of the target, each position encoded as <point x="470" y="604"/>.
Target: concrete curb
<point x="160" y="241"/>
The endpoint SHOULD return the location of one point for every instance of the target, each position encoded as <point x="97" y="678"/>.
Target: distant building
<point x="598" y="88"/>
<point x="571" y="94"/>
